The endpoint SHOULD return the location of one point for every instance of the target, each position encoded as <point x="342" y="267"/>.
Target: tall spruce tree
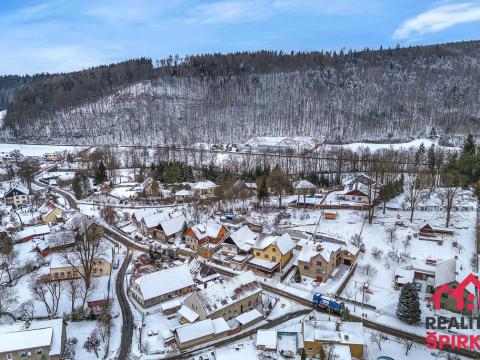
<point x="469" y="145"/>
<point x="408" y="307"/>
<point x="262" y="193"/>
<point x="101" y="174"/>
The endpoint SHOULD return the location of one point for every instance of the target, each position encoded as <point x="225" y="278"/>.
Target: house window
<point x="39" y="352"/>
<point x="9" y="356"/>
<point x="305" y="267"/>
<point x="265" y="256"/>
<point x="319" y="263"/>
<point x="445" y="295"/>
<point x="258" y="254"/>
<point x="274" y="258"/>
<point x="274" y="250"/>
<point x="23" y="353"/>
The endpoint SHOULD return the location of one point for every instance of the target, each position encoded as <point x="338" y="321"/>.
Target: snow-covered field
<point x="396" y="146"/>
<point x="37" y="150"/>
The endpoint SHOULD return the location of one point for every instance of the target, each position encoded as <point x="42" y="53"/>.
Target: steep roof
<point x="445" y="272"/>
<point x="24" y="190"/>
<point x="244" y="238"/>
<point x="304" y="184"/>
<point x="283" y="242"/>
<point x="173" y="225"/>
<point x="209" y="229"/>
<point x="164" y="281"/>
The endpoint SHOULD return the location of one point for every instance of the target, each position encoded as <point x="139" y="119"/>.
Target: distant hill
<point x="384" y="95"/>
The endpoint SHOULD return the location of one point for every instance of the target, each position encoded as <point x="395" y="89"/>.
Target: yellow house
<point x="50" y="212"/>
<point x="271" y="253"/>
<point x="60" y="269"/>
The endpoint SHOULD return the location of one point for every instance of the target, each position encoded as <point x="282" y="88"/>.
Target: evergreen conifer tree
<point x="408" y="307"/>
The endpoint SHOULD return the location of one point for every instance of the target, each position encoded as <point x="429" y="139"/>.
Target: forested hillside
<point x="391" y="94"/>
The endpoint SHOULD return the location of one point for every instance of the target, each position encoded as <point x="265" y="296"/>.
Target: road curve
<point x="127" y="316"/>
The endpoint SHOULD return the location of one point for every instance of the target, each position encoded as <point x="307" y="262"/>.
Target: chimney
<point x="205" y="284"/>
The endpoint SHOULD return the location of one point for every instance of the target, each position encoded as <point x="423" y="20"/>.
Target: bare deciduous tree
<point x="414" y="188"/>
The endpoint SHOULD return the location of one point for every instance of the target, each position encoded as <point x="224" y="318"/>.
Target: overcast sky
<point x="65" y="35"/>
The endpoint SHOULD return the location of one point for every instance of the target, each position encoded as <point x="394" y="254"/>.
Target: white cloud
<point x="231" y="11"/>
<point x="438" y="19"/>
<point x="237" y="11"/>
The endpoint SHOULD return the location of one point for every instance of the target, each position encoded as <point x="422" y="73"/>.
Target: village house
<point x="271" y="253"/>
<point x="346" y="338"/>
<point x="17" y="195"/>
<point x="36" y="340"/>
<point x="51" y="212"/>
<point x="237" y="248"/>
<point x="61" y="269"/>
<point x="435" y="231"/>
<point x="205" y="239"/>
<point x="144" y="187"/>
<point x="203" y="189"/>
<point x="53" y="156"/>
<point x="159" y="286"/>
<point x="359" y="189"/>
<point x="227" y="298"/>
<point x="183" y="195"/>
<point x="266" y="340"/>
<point x="55" y="242"/>
<point x="170" y="227"/>
<point x="189" y="335"/>
<point x="30" y="232"/>
<point x="317" y="260"/>
<point x="448" y="289"/>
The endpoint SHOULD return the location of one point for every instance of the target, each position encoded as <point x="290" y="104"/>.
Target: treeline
<point x="384" y="95"/>
<point x="39" y="96"/>
<point x="268" y="61"/>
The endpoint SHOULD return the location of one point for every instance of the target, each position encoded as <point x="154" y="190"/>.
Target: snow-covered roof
<point x="324" y="330"/>
<point x="445" y="272"/>
<point x="244" y="238"/>
<point x="153" y="220"/>
<point x="188" y="313"/>
<point x="270" y="265"/>
<point x="249" y="316"/>
<point x="164" y="281"/>
<point x="26" y="339"/>
<point x="48" y="207"/>
<point x="228" y="291"/>
<point x="220" y="325"/>
<point x="18" y="187"/>
<point x="203" y="185"/>
<point x="283" y="242"/>
<point x="404" y="276"/>
<point x="183" y="192"/>
<point x="195" y="330"/>
<point x="173" y="225"/>
<point x="267" y="339"/>
<point x="17" y="337"/>
<point x="341" y="351"/>
<point x="209" y="229"/>
<point x="304" y="184"/>
<point x="37" y="230"/>
<point x="172" y="304"/>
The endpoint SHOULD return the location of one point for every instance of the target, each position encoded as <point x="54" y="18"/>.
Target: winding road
<point x="127" y="316"/>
